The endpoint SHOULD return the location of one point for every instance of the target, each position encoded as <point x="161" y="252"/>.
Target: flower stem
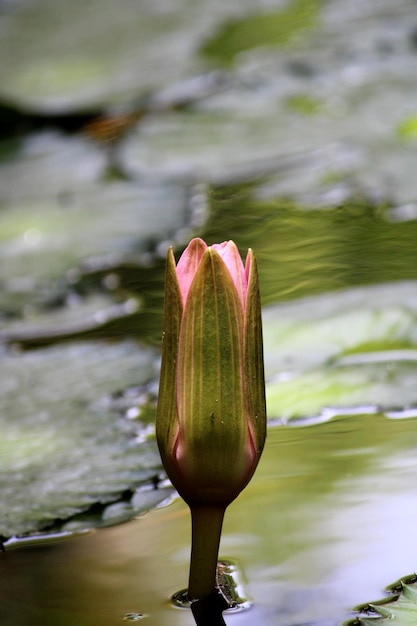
<point x="208" y="611"/>
<point x="207" y="523"/>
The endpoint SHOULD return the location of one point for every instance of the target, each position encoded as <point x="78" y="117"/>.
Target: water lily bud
<point x="211" y="418"/>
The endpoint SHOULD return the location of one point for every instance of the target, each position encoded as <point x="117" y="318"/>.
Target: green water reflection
<point x="300" y="252"/>
<point x="304" y="252"/>
<point x="327" y="522"/>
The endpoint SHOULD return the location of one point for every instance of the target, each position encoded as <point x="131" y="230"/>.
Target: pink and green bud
<point x="211" y="418"/>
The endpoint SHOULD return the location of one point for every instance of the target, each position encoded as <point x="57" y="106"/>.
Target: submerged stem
<point x="207" y="523"/>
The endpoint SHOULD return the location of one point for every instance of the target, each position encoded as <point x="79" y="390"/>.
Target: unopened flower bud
<point x="211" y="417"/>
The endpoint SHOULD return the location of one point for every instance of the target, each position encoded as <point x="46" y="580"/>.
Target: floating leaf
<point x="279" y="28"/>
<point x="58" y="208"/>
<point x="65" y="446"/>
<point x="400" y="606"/>
<point x="355" y="348"/>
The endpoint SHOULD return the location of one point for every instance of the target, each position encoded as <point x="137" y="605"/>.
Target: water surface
<point x="326" y="523"/>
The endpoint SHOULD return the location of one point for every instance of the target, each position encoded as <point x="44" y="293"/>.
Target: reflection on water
<point x="304" y="252"/>
<point x="229" y="585"/>
<point x="325" y="524"/>
<point x="300" y="253"/>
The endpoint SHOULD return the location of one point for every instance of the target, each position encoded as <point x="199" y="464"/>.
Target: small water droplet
<point x="134" y="617"/>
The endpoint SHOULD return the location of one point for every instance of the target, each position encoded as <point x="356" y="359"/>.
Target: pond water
<point x="329" y="517"/>
<point x="327" y="521"/>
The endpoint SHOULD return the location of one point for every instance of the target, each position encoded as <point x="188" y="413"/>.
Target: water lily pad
<point x="357" y="348"/>
<point x="58" y="208"/>
<point x="68" y="57"/>
<point x="400" y="606"/>
<point x="280" y="28"/>
<point x="355" y="63"/>
<point x="64" y="447"/>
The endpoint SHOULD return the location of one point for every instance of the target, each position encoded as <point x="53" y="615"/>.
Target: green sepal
<point x="167" y="414"/>
<point x="254" y="359"/>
